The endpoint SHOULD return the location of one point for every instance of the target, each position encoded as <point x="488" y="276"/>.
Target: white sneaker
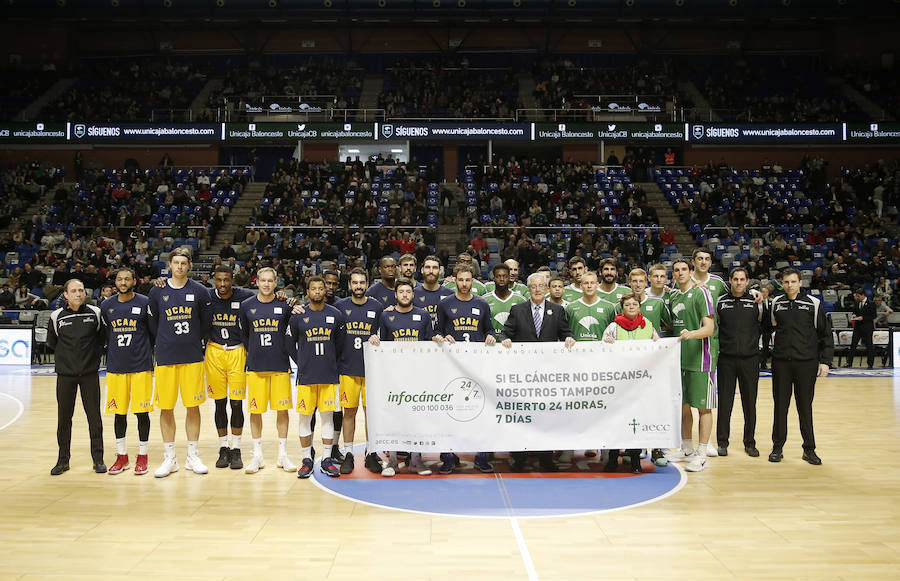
<point x="388" y="472"/>
<point x="253" y="465"/>
<point x="420" y="469"/>
<point x="697" y="463"/>
<point x="565" y="457"/>
<point x="195" y="464"/>
<point x="678" y="455"/>
<point x="169" y="465"/>
<point x="285" y="463"/>
<point x="711" y="451"/>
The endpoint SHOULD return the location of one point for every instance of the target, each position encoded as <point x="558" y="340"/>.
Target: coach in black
<point x="802" y="351"/>
<point x="76" y="334"/>
<point x="740" y="317"/>
<point x="863" y="326"/>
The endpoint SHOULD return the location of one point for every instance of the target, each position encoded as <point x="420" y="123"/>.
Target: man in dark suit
<point x="533" y="321"/>
<point x="863" y="326"/>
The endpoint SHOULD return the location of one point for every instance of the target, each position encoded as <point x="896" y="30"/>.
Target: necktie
<point x="538" y="314"/>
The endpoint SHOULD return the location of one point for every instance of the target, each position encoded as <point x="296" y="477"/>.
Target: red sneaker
<point x="140" y="467"/>
<point x="120" y="465"/>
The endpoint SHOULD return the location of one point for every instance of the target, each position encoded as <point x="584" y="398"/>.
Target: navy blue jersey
<point x="223" y="317"/>
<point x="428" y="300"/>
<point x="176" y="321"/>
<point x="129" y="346"/>
<point x="412" y="326"/>
<point x="387" y="296"/>
<point x="265" y="325"/>
<point x="464" y="320"/>
<point x="360" y="322"/>
<point x="316" y="338"/>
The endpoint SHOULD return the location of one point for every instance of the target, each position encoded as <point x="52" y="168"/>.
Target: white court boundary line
<point x="18" y="414"/>
<point x="523" y="549"/>
<point x="681" y="484"/>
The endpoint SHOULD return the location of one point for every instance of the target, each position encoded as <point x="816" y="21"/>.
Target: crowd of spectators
<point x="127" y="90"/>
<point x="448" y="89"/>
<point x="22" y="185"/>
<point x="21" y="86"/>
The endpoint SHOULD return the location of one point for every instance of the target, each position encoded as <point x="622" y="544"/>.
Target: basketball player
<point x="383" y="290"/>
<point x="430" y="292"/>
<point x="693" y="324"/>
<point x="405" y="323"/>
<point x="464" y="317"/>
<point x="225" y="363"/>
<point x="515" y="285"/>
<point x="362" y="315"/>
<point x="557" y="288"/>
<point x="478" y="289"/>
<point x="315" y="339"/>
<point x="658" y="278"/>
<point x="407" y="267"/>
<point x="265" y="321"/>
<point x="176" y="320"/>
<point x="577" y="268"/>
<point x="610" y="290"/>
<point x="500" y="299"/>
<point x="129" y="368"/>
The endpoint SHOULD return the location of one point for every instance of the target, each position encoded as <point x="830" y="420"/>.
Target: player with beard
<point x="384" y="289"/>
<point x="515" y="285"/>
<point x="407" y="267"/>
<point x="464" y="317"/>
<point x="129" y="367"/>
<point x="577" y="268"/>
<point x="225" y="363"/>
<point x="362" y="316"/>
<point x="478" y="289"/>
<point x="610" y="290"/>
<point x="501" y="298"/>
<point x="405" y="323"/>
<point x="332" y="287"/>
<point x="430" y="292"/>
<point x="316" y="338"/>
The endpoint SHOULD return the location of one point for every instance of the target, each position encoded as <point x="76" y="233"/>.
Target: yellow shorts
<point x="352" y="390"/>
<point x="269" y="389"/>
<point x="225" y="375"/>
<point x="122" y="388"/>
<point x="186" y="378"/>
<point x="323" y="395"/>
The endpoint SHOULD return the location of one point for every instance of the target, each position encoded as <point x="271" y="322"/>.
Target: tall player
<point x="515" y="285"/>
<point x="265" y="322"/>
<point x="405" y="323"/>
<point x="316" y="337"/>
<point x="693" y="324"/>
<point x="383" y="290"/>
<point x="407" y="268"/>
<point x="129" y="367"/>
<point x="464" y="317"/>
<point x="465" y="259"/>
<point x="701" y="260"/>
<point x="610" y="290"/>
<point x="658" y="278"/>
<point x="501" y="298"/>
<point x="577" y="268"/>
<point x="430" y="292"/>
<point x="362" y="315"/>
<point x="176" y="320"/>
<point x="226" y="359"/>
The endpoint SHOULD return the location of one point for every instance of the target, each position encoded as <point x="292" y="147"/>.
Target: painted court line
<point x="18" y="414"/>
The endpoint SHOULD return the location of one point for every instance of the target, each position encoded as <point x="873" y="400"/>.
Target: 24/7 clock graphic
<point x="467" y="400"/>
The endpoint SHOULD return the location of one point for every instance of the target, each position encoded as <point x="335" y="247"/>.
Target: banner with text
<point x="425" y="397"/>
<point x="724" y="133"/>
<point x="874" y="133"/>
<point x="291" y="132"/>
<point x="635" y="132"/>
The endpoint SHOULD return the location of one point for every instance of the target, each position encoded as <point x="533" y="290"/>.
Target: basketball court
<point x="741" y="518"/>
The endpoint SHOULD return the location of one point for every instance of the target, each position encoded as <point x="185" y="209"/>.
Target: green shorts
<point x="698" y="389"/>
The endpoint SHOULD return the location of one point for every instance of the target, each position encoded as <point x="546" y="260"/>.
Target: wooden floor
<point x="742" y="518"/>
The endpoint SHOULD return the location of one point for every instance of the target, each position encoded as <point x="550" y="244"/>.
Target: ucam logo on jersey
<point x="15" y="346"/>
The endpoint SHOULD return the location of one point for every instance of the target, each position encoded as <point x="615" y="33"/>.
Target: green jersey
<point x="516" y="288"/>
<point x="717" y="288"/>
<point x="588" y="322"/>
<point x="615" y="294"/>
<point x="572" y="293"/>
<point x="656" y="311"/>
<point x="477" y="287"/>
<point x="688" y="310"/>
<point x="500" y="308"/>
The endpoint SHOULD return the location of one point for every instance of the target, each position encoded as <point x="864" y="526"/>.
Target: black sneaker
<point x="482" y="465"/>
<point x="347" y="464"/>
<point x="235" y="458"/>
<point x="447" y="465"/>
<point x="373" y="463"/>
<point x="306" y="469"/>
<point x="658" y="457"/>
<point x="224" y="457"/>
<point x="59" y="468"/>
<point x="328" y="467"/>
<point x="336" y="454"/>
